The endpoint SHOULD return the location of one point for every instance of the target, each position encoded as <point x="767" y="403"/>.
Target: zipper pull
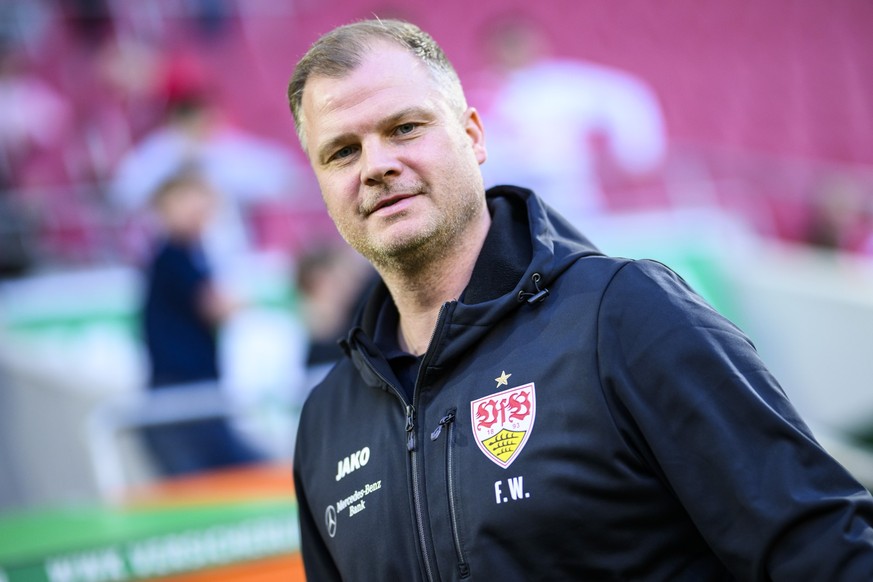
<point x="447" y="419"/>
<point x="410" y="425"/>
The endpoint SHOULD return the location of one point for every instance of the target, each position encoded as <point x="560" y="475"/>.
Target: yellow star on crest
<point x="502" y="379"/>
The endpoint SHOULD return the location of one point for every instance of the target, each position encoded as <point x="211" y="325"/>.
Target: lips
<point x="389" y="201"/>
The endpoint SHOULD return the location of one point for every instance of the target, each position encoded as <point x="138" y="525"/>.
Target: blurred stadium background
<point x="762" y="199"/>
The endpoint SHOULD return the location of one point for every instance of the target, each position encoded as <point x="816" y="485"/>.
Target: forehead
<point x="388" y="78"/>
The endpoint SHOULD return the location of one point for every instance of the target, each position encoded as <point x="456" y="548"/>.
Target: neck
<point x="420" y="294"/>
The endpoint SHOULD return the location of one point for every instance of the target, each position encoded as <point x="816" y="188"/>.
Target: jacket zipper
<point x="416" y="496"/>
<point x="448" y="422"/>
<point x="410" y="446"/>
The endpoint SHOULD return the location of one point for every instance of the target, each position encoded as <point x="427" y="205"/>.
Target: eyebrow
<point x="330" y="145"/>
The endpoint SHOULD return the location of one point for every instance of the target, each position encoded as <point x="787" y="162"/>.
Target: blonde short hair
<point x="341" y="50"/>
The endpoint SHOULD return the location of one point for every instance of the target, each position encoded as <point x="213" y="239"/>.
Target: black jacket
<point x="576" y="417"/>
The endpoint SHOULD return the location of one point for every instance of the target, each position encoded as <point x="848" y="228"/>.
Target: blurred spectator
<point x="33" y="116"/>
<point x="16" y="237"/>
<point x="25" y="23"/>
<point x="331" y="280"/>
<point x="91" y="20"/>
<point x="243" y="168"/>
<point x="122" y="103"/>
<point x="840" y="216"/>
<point x="545" y="115"/>
<point x="213" y="16"/>
<point x="34" y="119"/>
<point x="182" y="313"/>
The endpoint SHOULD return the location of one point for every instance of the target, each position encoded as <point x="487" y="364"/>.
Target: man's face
<point x="398" y="167"/>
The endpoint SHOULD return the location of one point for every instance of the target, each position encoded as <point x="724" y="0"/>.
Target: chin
<point x="401" y="252"/>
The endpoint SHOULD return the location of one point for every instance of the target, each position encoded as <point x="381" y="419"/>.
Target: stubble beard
<point x="414" y="253"/>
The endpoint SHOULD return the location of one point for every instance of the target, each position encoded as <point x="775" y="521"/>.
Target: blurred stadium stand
<point x="761" y="99"/>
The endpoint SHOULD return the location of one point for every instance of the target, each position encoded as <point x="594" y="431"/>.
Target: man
<point x="515" y="405"/>
<point x="183" y="310"/>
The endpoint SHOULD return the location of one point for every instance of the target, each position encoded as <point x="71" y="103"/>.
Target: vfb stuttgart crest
<point x="502" y="422"/>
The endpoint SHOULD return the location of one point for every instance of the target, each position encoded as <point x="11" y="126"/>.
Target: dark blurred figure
<point x="332" y="281"/>
<point x="181" y="317"/>
<point x="213" y="16"/>
<point x="91" y="20"/>
<point x="16" y="238"/>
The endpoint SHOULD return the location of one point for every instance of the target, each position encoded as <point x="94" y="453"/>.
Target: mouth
<point x="389" y="201"/>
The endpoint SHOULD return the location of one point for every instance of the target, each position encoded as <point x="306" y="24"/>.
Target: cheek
<point x="331" y="192"/>
<point x="340" y="202"/>
<point x="331" y="205"/>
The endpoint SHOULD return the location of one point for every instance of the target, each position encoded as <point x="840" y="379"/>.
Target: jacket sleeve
<point x="317" y="561"/>
<point x="702" y="410"/>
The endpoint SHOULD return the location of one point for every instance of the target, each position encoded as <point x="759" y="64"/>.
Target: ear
<point x="476" y="132"/>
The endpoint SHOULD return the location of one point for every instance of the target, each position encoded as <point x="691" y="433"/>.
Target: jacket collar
<point x="527" y="244"/>
<point x="505" y="254"/>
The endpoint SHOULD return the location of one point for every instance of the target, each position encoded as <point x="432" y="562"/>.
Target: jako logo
<point x="352" y="462"/>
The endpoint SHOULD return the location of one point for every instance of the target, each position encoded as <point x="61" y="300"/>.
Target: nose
<point x="378" y="163"/>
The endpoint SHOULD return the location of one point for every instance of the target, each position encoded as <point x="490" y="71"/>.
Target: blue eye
<point x="343" y="152"/>
<point x="405" y="128"/>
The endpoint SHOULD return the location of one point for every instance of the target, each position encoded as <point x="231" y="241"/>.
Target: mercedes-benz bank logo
<point x="330" y="520"/>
